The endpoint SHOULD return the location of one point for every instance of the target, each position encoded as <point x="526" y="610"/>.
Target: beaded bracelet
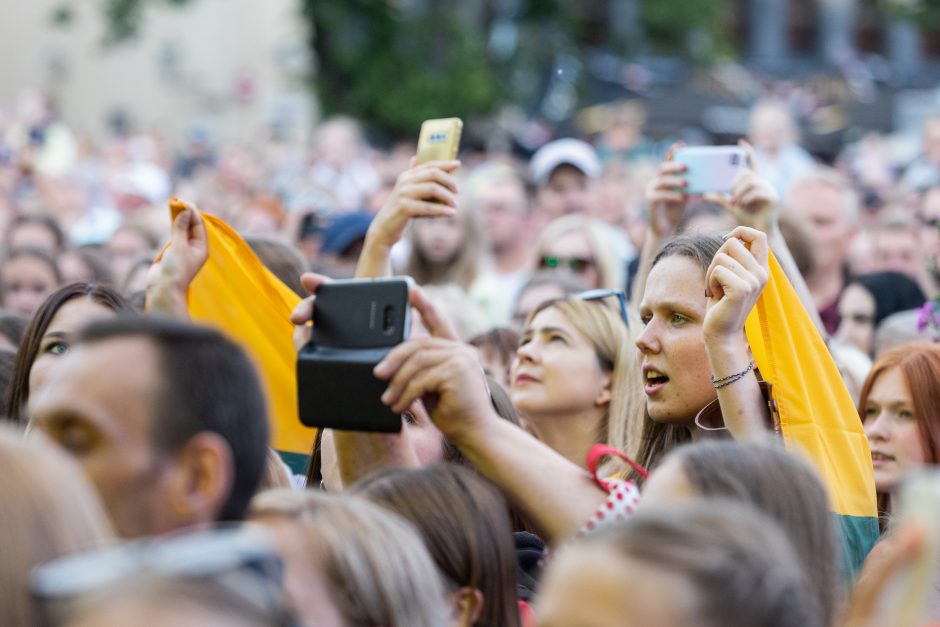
<point x="731" y="378"/>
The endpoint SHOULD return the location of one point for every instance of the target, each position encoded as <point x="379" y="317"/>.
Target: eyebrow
<point x="55" y="334"/>
<point x="672" y="305"/>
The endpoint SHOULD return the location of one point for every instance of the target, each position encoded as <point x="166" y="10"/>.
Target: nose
<point x="879" y="429"/>
<point x="527" y="353"/>
<point x="648" y="339"/>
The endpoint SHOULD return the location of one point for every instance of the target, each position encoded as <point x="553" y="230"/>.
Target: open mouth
<point x="881" y="457"/>
<point x="654" y="380"/>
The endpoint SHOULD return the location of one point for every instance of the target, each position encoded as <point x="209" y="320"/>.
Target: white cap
<point x="569" y="151"/>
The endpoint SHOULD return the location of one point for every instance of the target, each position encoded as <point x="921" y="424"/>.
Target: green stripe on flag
<point x="858" y="534"/>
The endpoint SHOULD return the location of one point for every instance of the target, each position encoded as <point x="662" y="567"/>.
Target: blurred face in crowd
<point x="98" y="405"/>
<point x="422" y="436"/>
<point x="930" y="224"/>
<point x="568" y="190"/>
<point x="556" y="370"/>
<point x="124" y="248"/>
<point x="822" y="207"/>
<point x="857" y="317"/>
<point x="676" y="373"/>
<point x="593" y="586"/>
<point x="531" y="298"/>
<point x="892" y="430"/>
<point x="33" y="235"/>
<point x="897" y="249"/>
<point x="571" y="253"/>
<point x="60" y="335"/>
<point x="439" y="238"/>
<point x="931" y="139"/>
<point x="505" y="213"/>
<point x="27" y="281"/>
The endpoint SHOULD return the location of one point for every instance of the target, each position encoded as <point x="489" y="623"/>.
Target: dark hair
<point x="45" y="221"/>
<point x="283" y="261"/>
<point x="465" y="525"/>
<point x="738" y="565"/>
<point x="891" y="291"/>
<point x="207" y="383"/>
<point x="29" y="348"/>
<point x="786" y="489"/>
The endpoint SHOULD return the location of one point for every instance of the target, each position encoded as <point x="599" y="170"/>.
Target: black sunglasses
<point x="601" y="294"/>
<point x="575" y="264"/>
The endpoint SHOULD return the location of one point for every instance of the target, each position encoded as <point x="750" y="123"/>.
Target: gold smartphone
<point x="439" y="140"/>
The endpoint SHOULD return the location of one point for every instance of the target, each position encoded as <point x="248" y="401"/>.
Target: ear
<point x="203" y="482"/>
<point x="605" y="395"/>
<point x="469" y="604"/>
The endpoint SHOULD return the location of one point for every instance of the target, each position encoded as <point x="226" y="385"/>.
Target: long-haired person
<point x="900" y="406"/>
<point x="50" y="334"/>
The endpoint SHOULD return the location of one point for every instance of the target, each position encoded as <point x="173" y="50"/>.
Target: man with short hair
<point x="167" y="419"/>
<point x="825" y="201"/>
<point x="565" y="172"/>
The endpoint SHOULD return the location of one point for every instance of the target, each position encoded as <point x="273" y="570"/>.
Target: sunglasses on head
<point x="575" y="264"/>
<point x="601" y="294"/>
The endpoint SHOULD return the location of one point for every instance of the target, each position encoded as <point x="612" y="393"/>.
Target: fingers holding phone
<point x="666" y="194"/>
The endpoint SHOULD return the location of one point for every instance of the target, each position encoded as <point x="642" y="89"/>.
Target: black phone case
<point x="355" y="325"/>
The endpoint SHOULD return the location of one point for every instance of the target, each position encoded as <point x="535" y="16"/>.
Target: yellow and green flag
<point x="817" y="414"/>
<point x="234" y="293"/>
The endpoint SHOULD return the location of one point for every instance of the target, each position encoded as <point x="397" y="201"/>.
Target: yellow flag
<point x="234" y="293"/>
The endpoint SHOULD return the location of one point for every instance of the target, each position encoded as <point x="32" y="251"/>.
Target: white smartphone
<point x="711" y="168"/>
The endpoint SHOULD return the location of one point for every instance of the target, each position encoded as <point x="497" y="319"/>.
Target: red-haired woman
<point x="900" y="406"/>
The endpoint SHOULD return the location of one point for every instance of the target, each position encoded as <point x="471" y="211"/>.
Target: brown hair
<point x="49" y="510"/>
<point x="465" y="525"/>
<point x="657" y="439"/>
<point x="376" y="568"/>
<point x="18" y="394"/>
<point x="920" y="366"/>
<point x="283" y="261"/>
<point x="463" y="268"/>
<point x="738" y="564"/>
<point x="786" y="489"/>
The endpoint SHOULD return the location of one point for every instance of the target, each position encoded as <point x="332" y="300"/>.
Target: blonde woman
<point x="350" y="562"/>
<point x="49" y="510"/>
<point x="584" y="247"/>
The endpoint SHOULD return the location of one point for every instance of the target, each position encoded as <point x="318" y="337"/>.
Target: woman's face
<point x="593" y="586"/>
<point x="27" y="281"/>
<point x="556" y="371"/>
<point x="892" y="430"/>
<point x="439" y="238"/>
<point x="857" y="317"/>
<point x="60" y="334"/>
<point x="422" y="436"/>
<point x="675" y="369"/>
<point x="572" y="253"/>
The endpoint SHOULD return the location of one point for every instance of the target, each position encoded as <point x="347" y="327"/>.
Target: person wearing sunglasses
<point x="582" y="247"/>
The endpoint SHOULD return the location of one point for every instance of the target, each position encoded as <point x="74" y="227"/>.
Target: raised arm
<point x="169" y="278"/>
<point x="556" y="495"/>
<point x="424" y="191"/>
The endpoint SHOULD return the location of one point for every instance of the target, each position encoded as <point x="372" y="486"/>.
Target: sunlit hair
<point x="463" y="268"/>
<point x="49" y="510"/>
<point x="616" y="354"/>
<point x="919" y="364"/>
<point x="376" y="567"/>
<point x="830" y="177"/>
<point x="785" y="488"/>
<point x="733" y="565"/>
<point x="610" y="267"/>
<point x="464" y="523"/>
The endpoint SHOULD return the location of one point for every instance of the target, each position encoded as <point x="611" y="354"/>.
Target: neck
<point x="826" y="285"/>
<point x="571" y="435"/>
<point x="510" y="258"/>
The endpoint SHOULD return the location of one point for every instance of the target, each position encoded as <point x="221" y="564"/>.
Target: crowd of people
<point x="588" y="436"/>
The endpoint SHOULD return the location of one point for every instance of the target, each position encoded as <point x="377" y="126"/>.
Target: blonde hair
<point x="377" y="568"/>
<point x="616" y="351"/>
<point x="464" y="267"/>
<point x="49" y="510"/>
<point x="600" y="239"/>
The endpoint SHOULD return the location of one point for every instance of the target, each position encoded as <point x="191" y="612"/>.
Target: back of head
<point x="783" y="487"/>
<point x="465" y="525"/>
<point x="207" y="384"/>
<point x="376" y="568"/>
<point x="49" y="510"/>
<point x="737" y="567"/>
<point x="898" y="329"/>
<point x="283" y="261"/>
